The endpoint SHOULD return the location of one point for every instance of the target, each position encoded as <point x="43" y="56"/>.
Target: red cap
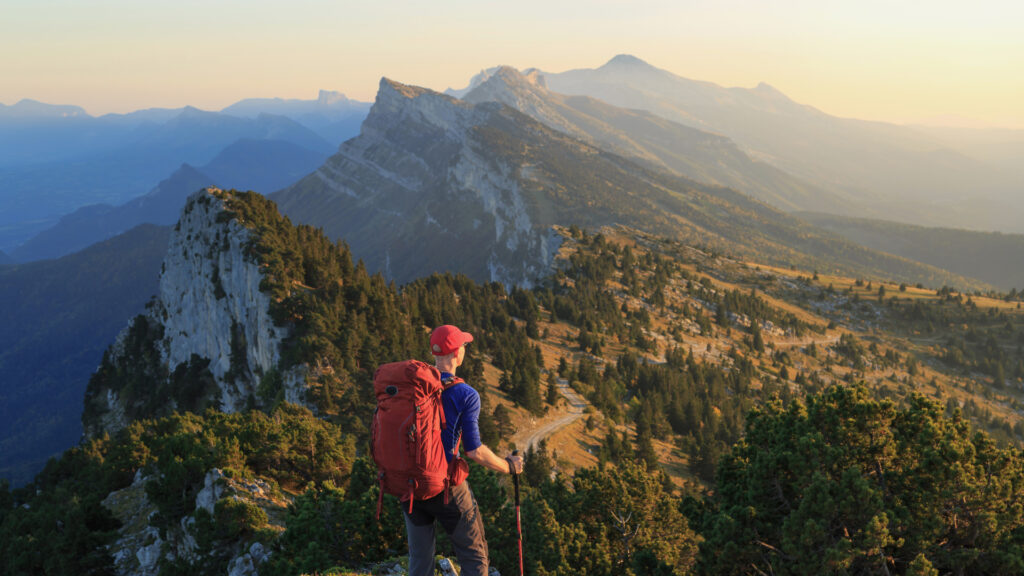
<point x="447" y="339"/>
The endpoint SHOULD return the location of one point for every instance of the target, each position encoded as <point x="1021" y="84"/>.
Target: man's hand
<point x="515" y="464"/>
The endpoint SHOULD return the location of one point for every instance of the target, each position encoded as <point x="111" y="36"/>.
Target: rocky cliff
<point x="209" y="324"/>
<point x="414" y="194"/>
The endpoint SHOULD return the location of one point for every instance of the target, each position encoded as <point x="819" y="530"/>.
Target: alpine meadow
<point x="728" y="332"/>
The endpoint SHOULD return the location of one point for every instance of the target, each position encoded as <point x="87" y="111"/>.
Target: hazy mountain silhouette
<point x="58" y="318"/>
<point x="37" y="195"/>
<point x="332" y="115"/>
<point x="993" y="257"/>
<point x="881" y="169"/>
<point x="263" y="166"/>
<point x="91" y="224"/>
<point x="659" y="143"/>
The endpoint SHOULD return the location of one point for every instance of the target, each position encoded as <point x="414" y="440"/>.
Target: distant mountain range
<point x="649" y="139"/>
<point x="258" y="165"/>
<point x="91" y="224"/>
<point x="474" y="188"/>
<point x="58" y="317"/>
<point x="880" y="170"/>
<point x="333" y="116"/>
<point x="992" y="257"/>
<point x="55" y="159"/>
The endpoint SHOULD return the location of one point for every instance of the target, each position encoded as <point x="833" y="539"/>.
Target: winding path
<point x="576" y="407"/>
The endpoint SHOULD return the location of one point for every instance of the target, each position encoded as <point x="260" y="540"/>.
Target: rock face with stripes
<point x="421" y="190"/>
<point x="209" y="316"/>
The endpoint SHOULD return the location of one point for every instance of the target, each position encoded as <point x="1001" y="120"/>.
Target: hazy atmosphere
<point x="760" y="264"/>
<point x="930" y="62"/>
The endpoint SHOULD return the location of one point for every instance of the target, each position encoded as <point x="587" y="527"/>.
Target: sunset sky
<point x="904" y="61"/>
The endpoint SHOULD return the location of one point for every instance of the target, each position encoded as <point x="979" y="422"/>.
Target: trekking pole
<point x="519" y="526"/>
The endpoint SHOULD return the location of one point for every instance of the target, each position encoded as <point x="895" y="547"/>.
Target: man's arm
<point x="484" y="457"/>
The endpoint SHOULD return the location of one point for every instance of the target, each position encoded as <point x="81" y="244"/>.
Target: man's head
<point x="448" y="342"/>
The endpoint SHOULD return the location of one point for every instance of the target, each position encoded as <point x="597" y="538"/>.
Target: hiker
<point x="460" y="517"/>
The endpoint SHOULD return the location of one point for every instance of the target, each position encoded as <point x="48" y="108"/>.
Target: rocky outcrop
<point x="210" y="310"/>
<point x="210" y="301"/>
<point x="140" y="547"/>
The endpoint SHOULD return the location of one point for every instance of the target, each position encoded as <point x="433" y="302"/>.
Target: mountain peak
<point x="388" y="86"/>
<point x="511" y="76"/>
<point x="331" y="97"/>
<point x="765" y="88"/>
<point x="192" y="113"/>
<point x="626" y="61"/>
<point x="28" y="108"/>
<point x="526" y="93"/>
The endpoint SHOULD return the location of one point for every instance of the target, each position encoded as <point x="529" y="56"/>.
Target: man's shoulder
<point x="462" y="392"/>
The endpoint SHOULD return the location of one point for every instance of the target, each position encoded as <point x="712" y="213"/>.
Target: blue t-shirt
<point x="461" y="414"/>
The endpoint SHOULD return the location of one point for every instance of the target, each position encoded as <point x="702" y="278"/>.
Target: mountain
<point x="34" y="109"/>
<point x="91" y="224"/>
<point x="54" y="135"/>
<point x="203" y="134"/>
<point x="124" y="163"/>
<point x="332" y="115"/>
<point x="884" y="170"/>
<point x="993" y="257"/>
<point x="5" y="259"/>
<point x="262" y="165"/>
<point x="650" y="139"/>
<point x="1001" y="148"/>
<point x="248" y="164"/>
<point x="58" y="317"/>
<point x="210" y="316"/>
<point x="475" y="188"/>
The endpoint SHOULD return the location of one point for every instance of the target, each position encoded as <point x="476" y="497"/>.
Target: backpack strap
<point x="447" y="383"/>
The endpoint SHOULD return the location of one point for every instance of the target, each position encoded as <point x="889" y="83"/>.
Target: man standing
<point x="459" y="516"/>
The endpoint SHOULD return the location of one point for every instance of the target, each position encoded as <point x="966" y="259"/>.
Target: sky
<point x="902" y="61"/>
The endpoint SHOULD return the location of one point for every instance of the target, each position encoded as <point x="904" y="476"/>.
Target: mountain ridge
<point x="95" y="223"/>
<point x="993" y="257"/>
<point x="511" y="178"/>
<point x="685" y="151"/>
<point x="886" y="170"/>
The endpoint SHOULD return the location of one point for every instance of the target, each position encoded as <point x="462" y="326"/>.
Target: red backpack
<point x="406" y="433"/>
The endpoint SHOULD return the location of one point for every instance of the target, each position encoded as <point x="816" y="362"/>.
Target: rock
<point x="149" y="556"/>
<point x="210" y="294"/>
<point x="242" y="566"/>
<point x="259" y="553"/>
<point x="209" y="301"/>
<point x="211" y="492"/>
<point x="446" y="567"/>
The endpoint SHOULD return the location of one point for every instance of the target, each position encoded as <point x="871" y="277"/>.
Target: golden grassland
<point x="575" y="446"/>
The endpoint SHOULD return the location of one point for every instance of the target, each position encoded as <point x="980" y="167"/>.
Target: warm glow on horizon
<point x="897" y="62"/>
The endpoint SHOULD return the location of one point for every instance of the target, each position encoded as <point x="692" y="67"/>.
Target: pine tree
<point x="553" y="392"/>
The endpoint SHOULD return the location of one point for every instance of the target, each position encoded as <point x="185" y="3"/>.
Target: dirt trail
<point x="574" y="412"/>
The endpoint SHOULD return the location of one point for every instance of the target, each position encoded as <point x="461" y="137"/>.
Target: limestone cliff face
<point x="209" y="315"/>
<point x="210" y="299"/>
<point x="416" y="194"/>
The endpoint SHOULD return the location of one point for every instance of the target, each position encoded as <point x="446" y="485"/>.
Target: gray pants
<point x="460" y="519"/>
